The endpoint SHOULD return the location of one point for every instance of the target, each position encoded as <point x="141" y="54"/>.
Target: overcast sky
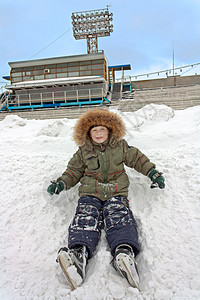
<point x="144" y="32"/>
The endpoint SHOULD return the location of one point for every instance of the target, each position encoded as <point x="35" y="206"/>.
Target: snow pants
<point x="114" y="214"/>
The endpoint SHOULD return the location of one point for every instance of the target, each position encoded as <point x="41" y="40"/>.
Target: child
<point x="99" y="167"/>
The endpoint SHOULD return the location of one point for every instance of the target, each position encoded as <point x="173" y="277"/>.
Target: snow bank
<point x="34" y="224"/>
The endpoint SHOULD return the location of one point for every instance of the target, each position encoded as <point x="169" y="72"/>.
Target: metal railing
<point x="56" y="96"/>
<point x="178" y="71"/>
<point x="4" y="100"/>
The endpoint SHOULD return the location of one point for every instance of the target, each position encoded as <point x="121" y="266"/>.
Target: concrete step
<point x="128" y="107"/>
<point x="169" y="91"/>
<point x="59" y="113"/>
<point x="175" y="97"/>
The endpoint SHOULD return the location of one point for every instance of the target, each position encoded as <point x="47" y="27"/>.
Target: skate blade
<point x="62" y="265"/>
<point x="130" y="275"/>
<point x="125" y="266"/>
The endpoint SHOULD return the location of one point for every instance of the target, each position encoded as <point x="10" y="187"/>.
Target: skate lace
<point x="77" y="253"/>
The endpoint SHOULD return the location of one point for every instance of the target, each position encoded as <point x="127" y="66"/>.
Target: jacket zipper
<point x="104" y="164"/>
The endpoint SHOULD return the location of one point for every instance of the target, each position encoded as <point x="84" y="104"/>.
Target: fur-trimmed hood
<point x="98" y="117"/>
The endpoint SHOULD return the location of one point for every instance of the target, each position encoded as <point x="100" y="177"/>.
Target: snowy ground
<point x="34" y="224"/>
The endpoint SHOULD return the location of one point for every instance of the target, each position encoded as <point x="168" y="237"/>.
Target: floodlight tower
<point x="90" y="25"/>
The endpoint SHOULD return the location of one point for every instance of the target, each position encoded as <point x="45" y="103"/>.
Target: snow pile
<point x="34" y="224"/>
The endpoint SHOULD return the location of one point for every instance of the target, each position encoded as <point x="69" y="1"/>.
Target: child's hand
<point x="55" y="187"/>
<point x="157" y="179"/>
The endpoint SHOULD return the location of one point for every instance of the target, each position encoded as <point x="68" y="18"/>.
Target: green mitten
<point x="55" y="187"/>
<point x="157" y="179"/>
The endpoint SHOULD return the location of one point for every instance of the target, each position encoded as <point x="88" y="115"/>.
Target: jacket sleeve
<point x="74" y="172"/>
<point x="134" y="158"/>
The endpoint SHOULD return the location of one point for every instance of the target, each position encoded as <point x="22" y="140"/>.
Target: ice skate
<point x="73" y="263"/>
<point x="125" y="264"/>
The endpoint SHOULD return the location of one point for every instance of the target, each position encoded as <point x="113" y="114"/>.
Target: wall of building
<point x="166" y="82"/>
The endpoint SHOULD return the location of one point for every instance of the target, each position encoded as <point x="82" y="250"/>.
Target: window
<point x="85" y="73"/>
<point x="16" y="69"/>
<point x="87" y="62"/>
<point x="60" y="75"/>
<point x="47" y="76"/>
<point x="52" y="71"/>
<point x="73" y="64"/>
<point x="59" y="70"/>
<point x="97" y="67"/>
<point x="97" y="61"/>
<point x="72" y="74"/>
<point x="17" y="74"/>
<point x="97" y="72"/>
<point x="38" y="67"/>
<point x="40" y="72"/>
<point x="27" y="78"/>
<point x="39" y="77"/>
<point x="61" y="65"/>
<point x="16" y="79"/>
<point x="85" y="67"/>
<point x="28" y="73"/>
<point x="73" y="69"/>
<point x="50" y="66"/>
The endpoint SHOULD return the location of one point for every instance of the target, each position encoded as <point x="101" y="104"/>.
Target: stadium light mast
<point x="90" y="25"/>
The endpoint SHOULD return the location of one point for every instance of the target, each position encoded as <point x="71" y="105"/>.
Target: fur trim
<point x="98" y="117"/>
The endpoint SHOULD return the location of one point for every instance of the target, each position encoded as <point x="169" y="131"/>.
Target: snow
<point x="34" y="224"/>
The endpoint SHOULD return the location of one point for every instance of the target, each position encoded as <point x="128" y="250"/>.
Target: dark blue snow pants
<point x="92" y="213"/>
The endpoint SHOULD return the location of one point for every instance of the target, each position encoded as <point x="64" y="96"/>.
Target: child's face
<point x="99" y="134"/>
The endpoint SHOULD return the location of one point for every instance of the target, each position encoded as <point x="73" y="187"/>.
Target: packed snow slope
<point x="34" y="224"/>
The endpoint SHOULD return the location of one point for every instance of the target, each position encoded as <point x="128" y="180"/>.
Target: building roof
<point x="120" y="67"/>
<point x="6" y="77"/>
<point x="56" y="60"/>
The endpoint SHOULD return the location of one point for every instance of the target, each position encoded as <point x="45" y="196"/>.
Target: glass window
<point x="16" y="69"/>
<point x="73" y="64"/>
<point x="53" y="71"/>
<point x="97" y="61"/>
<point x="97" y="72"/>
<point x="87" y="62"/>
<point x="40" y="72"/>
<point x="59" y="70"/>
<point x="29" y="73"/>
<point x="97" y="67"/>
<point x="50" y="76"/>
<point x="72" y="74"/>
<point x="16" y="79"/>
<point x="28" y="69"/>
<point x="85" y="67"/>
<point x="50" y="66"/>
<point x="38" y="67"/>
<point x="60" y="75"/>
<point x="27" y="78"/>
<point x="61" y="65"/>
<point x="73" y="69"/>
<point x="39" y="77"/>
<point x="85" y="73"/>
<point x="17" y="74"/>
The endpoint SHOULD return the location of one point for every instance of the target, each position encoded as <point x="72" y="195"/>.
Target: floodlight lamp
<point x="90" y="25"/>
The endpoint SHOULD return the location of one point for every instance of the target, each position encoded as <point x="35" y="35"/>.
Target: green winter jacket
<point x="100" y="168"/>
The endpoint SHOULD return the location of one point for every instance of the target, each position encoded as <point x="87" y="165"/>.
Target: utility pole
<point x="173" y="59"/>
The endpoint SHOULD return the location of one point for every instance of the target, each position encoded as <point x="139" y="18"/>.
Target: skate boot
<point x="73" y="263"/>
<point x="125" y="264"/>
